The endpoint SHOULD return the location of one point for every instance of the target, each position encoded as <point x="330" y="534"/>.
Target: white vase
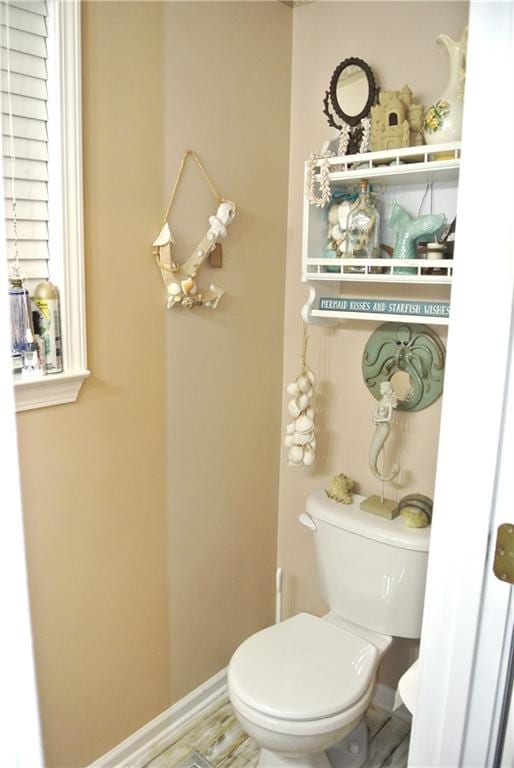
<point x="443" y="119"/>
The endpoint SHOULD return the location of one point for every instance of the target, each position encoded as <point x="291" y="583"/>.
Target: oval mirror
<point x="352" y="90"/>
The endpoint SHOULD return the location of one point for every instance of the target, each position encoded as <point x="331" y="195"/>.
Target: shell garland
<point x="325" y="194"/>
<point x="300" y="433"/>
<point x="366" y="135"/>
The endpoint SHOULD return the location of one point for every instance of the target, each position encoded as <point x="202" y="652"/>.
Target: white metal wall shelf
<point x="401" y="172"/>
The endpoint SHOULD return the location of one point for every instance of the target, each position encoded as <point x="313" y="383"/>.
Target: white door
<point x="466" y="645"/>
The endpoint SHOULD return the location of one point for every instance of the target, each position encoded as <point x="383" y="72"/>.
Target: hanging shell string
<point x="325" y="194"/>
<point x="366" y="134"/>
<point x="300" y="436"/>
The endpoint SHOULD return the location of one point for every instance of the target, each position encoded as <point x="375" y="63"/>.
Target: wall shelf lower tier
<point x="407" y="271"/>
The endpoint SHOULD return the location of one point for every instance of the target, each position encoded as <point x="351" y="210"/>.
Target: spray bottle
<point x="48" y="322"/>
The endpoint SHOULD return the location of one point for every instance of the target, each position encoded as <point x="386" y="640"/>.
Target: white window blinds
<point x="24" y="134"/>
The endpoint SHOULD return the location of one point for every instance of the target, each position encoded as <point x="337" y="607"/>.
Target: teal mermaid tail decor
<point x="408" y="230"/>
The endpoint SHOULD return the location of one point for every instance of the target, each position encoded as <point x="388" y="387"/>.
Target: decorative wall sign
<point x="180" y="278"/>
<point x="375" y="306"/>
<point x="413" y="349"/>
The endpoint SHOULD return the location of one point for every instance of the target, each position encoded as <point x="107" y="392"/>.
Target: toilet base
<point x="350" y="752"/>
<point x="269" y="759"/>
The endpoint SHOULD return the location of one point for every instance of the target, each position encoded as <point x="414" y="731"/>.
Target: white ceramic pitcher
<point x="443" y="120"/>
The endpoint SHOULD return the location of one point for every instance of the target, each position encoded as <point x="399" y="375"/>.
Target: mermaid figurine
<point x="382" y="416"/>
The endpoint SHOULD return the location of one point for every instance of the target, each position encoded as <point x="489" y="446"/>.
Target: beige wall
<point x="93" y="473"/>
<point x="227" y="95"/>
<point x="178" y="427"/>
<point x="398" y="41"/>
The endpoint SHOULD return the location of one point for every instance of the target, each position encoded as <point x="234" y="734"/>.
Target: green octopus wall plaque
<point x="399" y="349"/>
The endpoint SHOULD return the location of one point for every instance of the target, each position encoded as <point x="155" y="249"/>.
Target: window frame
<point x="66" y="226"/>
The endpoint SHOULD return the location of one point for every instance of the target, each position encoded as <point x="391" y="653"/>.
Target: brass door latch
<point x="504" y="553"/>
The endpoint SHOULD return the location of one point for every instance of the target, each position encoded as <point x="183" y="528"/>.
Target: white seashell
<point x="342" y="213"/>
<point x="302" y="401"/>
<point x="333" y="217"/>
<point x="336" y="233"/>
<point x="295" y="454"/>
<point x="309" y="457"/>
<point x="292" y="389"/>
<point x="303" y="383"/>
<point x="188" y="286"/>
<point x="310" y="393"/>
<point x="310" y="413"/>
<point x="302" y="438"/>
<point x="303" y="424"/>
<point x="290" y="428"/>
<point x="293" y="408"/>
<point x="311" y="378"/>
<point x="312" y="444"/>
<point x="289" y="441"/>
<point x="174" y="289"/>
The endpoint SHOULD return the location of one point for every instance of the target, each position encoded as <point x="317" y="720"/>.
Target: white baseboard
<point x="157" y="735"/>
<point x="384" y="699"/>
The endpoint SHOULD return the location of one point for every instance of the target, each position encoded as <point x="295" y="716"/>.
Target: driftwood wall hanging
<point x="180" y="279"/>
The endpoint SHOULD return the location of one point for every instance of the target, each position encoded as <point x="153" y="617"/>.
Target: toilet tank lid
<point x="351" y="518"/>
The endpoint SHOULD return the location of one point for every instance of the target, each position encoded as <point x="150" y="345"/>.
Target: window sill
<point x="53" y="389"/>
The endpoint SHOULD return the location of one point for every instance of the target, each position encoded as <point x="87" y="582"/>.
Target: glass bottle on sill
<point x="362" y="231"/>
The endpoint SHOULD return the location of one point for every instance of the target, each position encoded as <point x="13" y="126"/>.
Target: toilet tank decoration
<point x="416" y="510"/>
<point x="340" y="489"/>
<point x="396" y="121"/>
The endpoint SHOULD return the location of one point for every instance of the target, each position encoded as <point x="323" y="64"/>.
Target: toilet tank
<point x="372" y="571"/>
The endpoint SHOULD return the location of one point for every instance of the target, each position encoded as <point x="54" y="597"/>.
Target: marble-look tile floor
<point x="216" y="735"/>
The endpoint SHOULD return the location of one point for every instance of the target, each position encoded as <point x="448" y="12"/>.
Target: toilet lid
<point x="302" y="669"/>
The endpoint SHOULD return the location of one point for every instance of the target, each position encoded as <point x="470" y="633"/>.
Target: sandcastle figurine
<point x="340" y="489"/>
<point x="396" y="121"/>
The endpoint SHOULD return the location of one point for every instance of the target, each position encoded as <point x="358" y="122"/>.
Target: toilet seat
<point x="304" y="669"/>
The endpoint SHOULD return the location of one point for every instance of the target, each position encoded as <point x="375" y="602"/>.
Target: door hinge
<point x="504" y="553"/>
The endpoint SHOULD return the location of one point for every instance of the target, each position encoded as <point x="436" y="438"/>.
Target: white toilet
<point x="300" y="687"/>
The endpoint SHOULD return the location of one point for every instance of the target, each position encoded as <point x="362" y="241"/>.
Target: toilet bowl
<point x="301" y="686"/>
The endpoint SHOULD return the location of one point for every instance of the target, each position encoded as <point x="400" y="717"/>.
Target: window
<point x="41" y="139"/>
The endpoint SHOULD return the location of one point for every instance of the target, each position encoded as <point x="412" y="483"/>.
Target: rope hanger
<point x="190" y="153"/>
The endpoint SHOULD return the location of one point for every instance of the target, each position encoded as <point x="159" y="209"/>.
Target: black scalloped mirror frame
<point x="353" y="120"/>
